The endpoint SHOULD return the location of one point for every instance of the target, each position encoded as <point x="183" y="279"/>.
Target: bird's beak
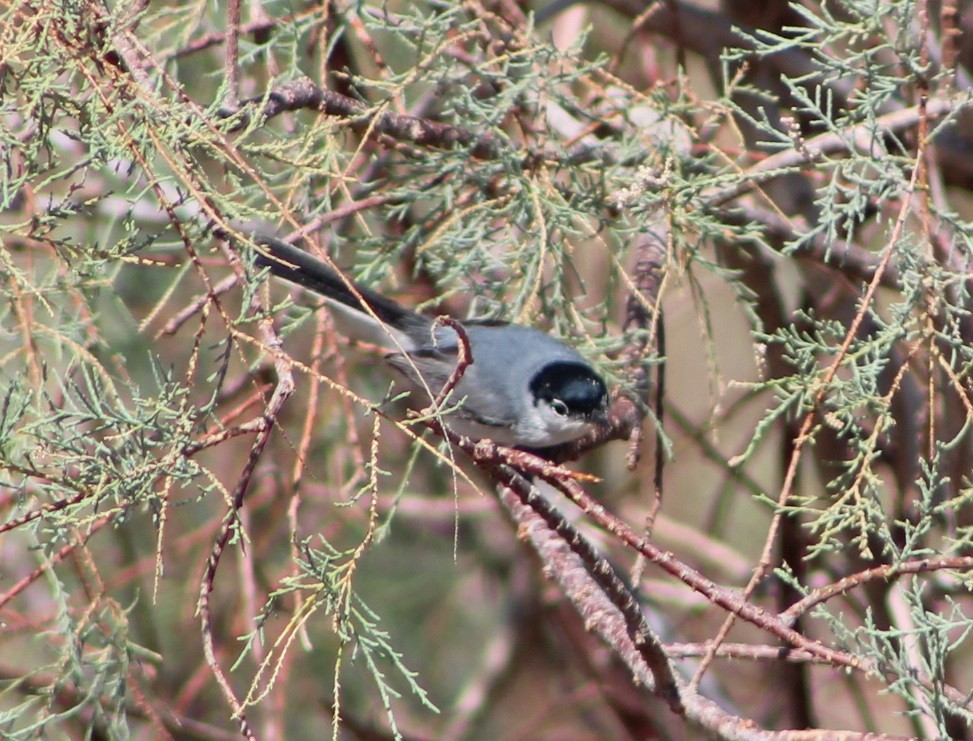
<point x="600" y="417"/>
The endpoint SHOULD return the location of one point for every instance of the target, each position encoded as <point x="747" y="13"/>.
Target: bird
<point x="523" y="389"/>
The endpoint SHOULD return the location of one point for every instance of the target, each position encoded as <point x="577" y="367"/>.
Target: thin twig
<point x="885" y="573"/>
<point x="54" y="559"/>
<point x="748" y="651"/>
<point x="464" y="359"/>
<point x="231" y="62"/>
<point x="283" y="390"/>
<point x="303" y="94"/>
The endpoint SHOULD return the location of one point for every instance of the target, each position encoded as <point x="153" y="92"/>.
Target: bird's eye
<point x="559" y="407"/>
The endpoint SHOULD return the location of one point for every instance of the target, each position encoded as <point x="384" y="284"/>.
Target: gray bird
<point x="524" y="387"/>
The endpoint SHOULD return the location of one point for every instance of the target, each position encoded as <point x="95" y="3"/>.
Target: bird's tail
<point x="297" y="266"/>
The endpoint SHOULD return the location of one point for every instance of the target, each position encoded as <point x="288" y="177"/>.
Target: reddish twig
<point x="563" y="552"/>
<point x="195" y="306"/>
<point x="887" y="572"/>
<point x="488" y="455"/>
<point x="254" y="27"/>
<point x="46" y="509"/>
<point x="282" y="392"/>
<point x="53" y="560"/>
<point x="464" y="358"/>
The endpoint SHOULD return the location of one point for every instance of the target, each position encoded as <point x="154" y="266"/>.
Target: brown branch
<point x="231" y="61"/>
<point x="508" y="466"/>
<point x="742" y="651"/>
<point x="486" y="454"/>
<point x="255" y="27"/>
<point x="216" y="438"/>
<point x="196" y="305"/>
<point x="560" y="548"/>
<point x="303" y="94"/>
<point x="574" y="563"/>
<point x="283" y="390"/>
<point x="733" y="601"/>
<point x="53" y="560"/>
<point x="41" y="511"/>
<point x="887" y="572"/>
<point x="60" y="690"/>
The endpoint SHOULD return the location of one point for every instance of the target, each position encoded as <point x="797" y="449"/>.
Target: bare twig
<point x="573" y="561"/>
<point x="257" y="26"/>
<point x="742" y="651"/>
<point x="231" y="62"/>
<point x="304" y="94"/>
<point x="885" y="573"/>
<point x="282" y="392"/>
<point x="464" y="359"/>
<point x="55" y="559"/>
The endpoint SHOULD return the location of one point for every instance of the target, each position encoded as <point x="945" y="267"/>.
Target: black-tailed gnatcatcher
<point x="524" y="387"/>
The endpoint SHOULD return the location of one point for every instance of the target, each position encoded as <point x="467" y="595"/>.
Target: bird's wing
<point x="436" y="367"/>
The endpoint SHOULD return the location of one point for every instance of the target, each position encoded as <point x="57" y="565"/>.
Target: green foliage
<point x="161" y="492"/>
